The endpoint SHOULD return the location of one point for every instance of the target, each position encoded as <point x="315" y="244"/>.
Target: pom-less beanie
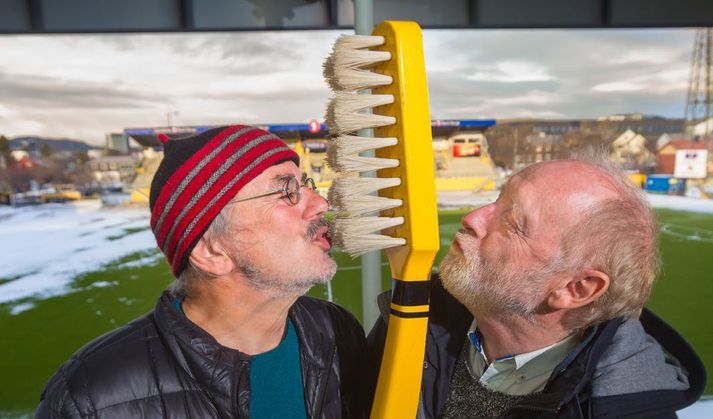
<point x="199" y="175"/>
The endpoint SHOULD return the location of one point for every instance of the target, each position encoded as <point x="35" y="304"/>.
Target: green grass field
<point x="35" y="342"/>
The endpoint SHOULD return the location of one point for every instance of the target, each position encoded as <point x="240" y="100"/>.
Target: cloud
<point x="619" y="86"/>
<point x="84" y="86"/>
<point x="43" y="92"/>
<point x="557" y="73"/>
<point x="511" y="72"/>
<point x="654" y="82"/>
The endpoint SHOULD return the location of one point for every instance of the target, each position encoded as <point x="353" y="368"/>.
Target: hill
<point x="57" y="144"/>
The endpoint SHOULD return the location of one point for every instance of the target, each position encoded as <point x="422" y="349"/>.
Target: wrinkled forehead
<point x="531" y="203"/>
<point x="555" y="197"/>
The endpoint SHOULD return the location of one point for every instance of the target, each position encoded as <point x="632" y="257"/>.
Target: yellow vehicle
<point x="639" y="179"/>
<point x="60" y="193"/>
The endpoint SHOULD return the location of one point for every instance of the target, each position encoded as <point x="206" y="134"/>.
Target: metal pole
<point x="330" y="295"/>
<point x="709" y="86"/>
<point x="370" y="262"/>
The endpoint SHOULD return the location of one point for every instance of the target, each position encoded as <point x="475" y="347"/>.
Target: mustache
<point x="465" y="232"/>
<point x="465" y="235"/>
<point x="314" y="226"/>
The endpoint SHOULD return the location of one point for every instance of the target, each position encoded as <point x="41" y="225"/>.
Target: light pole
<point x="169" y="120"/>
<point x="370" y="262"/>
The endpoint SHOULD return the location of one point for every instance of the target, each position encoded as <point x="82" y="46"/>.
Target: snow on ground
<point x="700" y="410"/>
<point x="681" y="203"/>
<point x="44" y="247"/>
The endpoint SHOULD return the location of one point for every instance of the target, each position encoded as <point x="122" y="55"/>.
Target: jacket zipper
<point x="320" y="403"/>
<point x="236" y="386"/>
<point x="537" y="408"/>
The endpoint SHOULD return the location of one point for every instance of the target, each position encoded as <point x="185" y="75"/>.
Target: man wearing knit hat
<point x="244" y="233"/>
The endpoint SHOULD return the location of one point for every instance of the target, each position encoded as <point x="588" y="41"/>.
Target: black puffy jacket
<point x="164" y="366"/>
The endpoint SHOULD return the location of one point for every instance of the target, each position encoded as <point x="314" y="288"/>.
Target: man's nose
<point x="316" y="203"/>
<point x="478" y="220"/>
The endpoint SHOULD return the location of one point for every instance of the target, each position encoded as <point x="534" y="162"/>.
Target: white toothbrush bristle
<point x="357" y="236"/>
<point x="351" y="195"/>
<point x="353" y="186"/>
<point x="348" y="69"/>
<point x="362" y="205"/>
<point x="351" y="163"/>
<point x="356" y="79"/>
<point x="344" y="112"/>
<point x="358" y="41"/>
<point x="358" y="58"/>
<point x="343" y="153"/>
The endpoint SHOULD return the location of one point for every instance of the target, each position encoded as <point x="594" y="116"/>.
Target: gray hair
<point x="218" y="228"/>
<point x="619" y="238"/>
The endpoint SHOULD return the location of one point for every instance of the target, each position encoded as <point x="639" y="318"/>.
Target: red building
<point x="666" y="155"/>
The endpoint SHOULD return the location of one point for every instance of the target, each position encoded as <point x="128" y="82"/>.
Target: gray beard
<point x="280" y="288"/>
<point x="484" y="289"/>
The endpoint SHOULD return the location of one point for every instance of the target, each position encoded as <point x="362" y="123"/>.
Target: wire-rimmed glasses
<point x="291" y="190"/>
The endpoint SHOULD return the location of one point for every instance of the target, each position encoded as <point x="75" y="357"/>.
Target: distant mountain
<point x="57" y="144"/>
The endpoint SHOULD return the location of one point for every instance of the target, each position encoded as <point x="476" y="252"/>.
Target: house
<point x="21" y="159"/>
<point x="666" y="155"/>
<point x="537" y="148"/>
<point x="703" y="128"/>
<point x="667" y="138"/>
<point x="113" y="172"/>
<point x="629" y="151"/>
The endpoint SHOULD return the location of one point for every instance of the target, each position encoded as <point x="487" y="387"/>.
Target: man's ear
<point x="579" y="291"/>
<point x="211" y="258"/>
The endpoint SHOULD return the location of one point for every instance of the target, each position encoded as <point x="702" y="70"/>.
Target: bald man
<point x="539" y="308"/>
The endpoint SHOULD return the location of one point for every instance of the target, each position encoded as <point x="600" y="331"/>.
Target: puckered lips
<point x="455" y="245"/>
<point x="322" y="238"/>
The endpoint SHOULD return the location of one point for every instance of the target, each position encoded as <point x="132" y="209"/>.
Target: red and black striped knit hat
<point x="199" y="175"/>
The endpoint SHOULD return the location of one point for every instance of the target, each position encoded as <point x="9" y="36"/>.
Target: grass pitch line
<point x="687" y="232"/>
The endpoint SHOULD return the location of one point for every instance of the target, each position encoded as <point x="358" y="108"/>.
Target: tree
<point x="46" y="150"/>
<point x="82" y="158"/>
<point x="4" y="152"/>
<point x="4" y="146"/>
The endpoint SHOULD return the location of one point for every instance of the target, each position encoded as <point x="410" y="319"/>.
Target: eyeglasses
<point x="290" y="191"/>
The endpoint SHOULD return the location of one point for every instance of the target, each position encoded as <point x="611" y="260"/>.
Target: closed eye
<point x="511" y="225"/>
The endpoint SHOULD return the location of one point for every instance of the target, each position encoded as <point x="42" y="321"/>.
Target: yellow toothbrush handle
<point x="399" y="384"/>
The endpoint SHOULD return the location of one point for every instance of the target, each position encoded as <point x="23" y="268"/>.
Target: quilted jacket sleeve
<point x="56" y="400"/>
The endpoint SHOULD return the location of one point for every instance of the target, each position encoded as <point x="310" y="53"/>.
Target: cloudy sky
<point x="83" y="86"/>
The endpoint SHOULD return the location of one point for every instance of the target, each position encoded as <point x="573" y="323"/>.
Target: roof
<point x="685" y="145"/>
<point x="627" y="137"/>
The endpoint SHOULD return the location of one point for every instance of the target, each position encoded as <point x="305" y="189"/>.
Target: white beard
<point x="483" y="288"/>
